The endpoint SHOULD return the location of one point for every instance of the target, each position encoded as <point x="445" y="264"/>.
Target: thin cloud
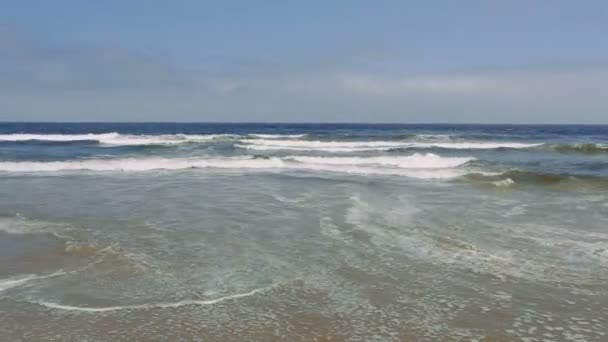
<point x="581" y="81"/>
<point x="43" y="81"/>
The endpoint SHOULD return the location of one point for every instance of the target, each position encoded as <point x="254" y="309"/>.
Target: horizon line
<point x="304" y="123"/>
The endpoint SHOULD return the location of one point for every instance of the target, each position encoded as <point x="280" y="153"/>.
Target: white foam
<point x="8" y="283"/>
<point x="415" y="161"/>
<point x="58" y="137"/>
<point x="504" y="183"/>
<point x="121" y="139"/>
<point x="165" y="139"/>
<point x="20" y="225"/>
<point x="442" y="173"/>
<point x="475" y="145"/>
<point x="143" y="164"/>
<point x="325" y="146"/>
<point x="323" y="149"/>
<point x="258" y="141"/>
<point x="417" y="165"/>
<point x="357" y="146"/>
<point x="152" y="306"/>
<point x="278" y="136"/>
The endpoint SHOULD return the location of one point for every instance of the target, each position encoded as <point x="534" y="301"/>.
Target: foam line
<point x="357" y="146"/>
<point x="8" y="283"/>
<point x="417" y="165"/>
<point x="152" y="306"/>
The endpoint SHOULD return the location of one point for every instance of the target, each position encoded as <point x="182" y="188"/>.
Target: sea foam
<point x="259" y="141"/>
<point x="416" y="165"/>
<point x="415" y="161"/>
<point x="8" y="283"/>
<point x="120" y="139"/>
<point x="358" y="146"/>
<point x="277" y="136"/>
<point x="152" y="306"/>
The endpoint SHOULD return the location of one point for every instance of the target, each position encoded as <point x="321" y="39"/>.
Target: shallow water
<point x="214" y="232"/>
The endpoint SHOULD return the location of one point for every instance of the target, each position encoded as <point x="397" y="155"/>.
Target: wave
<point x="58" y="137"/>
<point x="587" y="148"/>
<point x="263" y="142"/>
<point x="417" y="165"/>
<point x="359" y="146"/>
<point x="562" y="181"/>
<point x="119" y="139"/>
<point x="310" y="145"/>
<point x="415" y="161"/>
<point x="134" y="164"/>
<point x="503" y="183"/>
<point x="153" y="306"/>
<point x="18" y="224"/>
<point x="475" y="145"/>
<point x="277" y="136"/>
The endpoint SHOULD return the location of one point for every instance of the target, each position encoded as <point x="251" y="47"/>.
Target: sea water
<point x="303" y="232"/>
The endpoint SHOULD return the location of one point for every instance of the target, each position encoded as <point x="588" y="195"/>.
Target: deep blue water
<point x="536" y="132"/>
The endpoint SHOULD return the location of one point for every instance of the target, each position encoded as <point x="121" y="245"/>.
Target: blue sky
<point x="304" y="61"/>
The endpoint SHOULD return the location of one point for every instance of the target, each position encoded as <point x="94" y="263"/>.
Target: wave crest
<point x="360" y="146"/>
<point x="116" y="139"/>
<point x="560" y="181"/>
<point x="415" y="161"/>
<point x="416" y="165"/>
<point x="587" y="148"/>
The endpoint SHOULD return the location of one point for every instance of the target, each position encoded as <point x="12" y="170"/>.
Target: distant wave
<point x="277" y="136"/>
<point x="59" y="137"/>
<point x="587" y="148"/>
<point x="119" y="139"/>
<point x="417" y="165"/>
<point x="415" y="161"/>
<point x="474" y="145"/>
<point x="264" y="142"/>
<point x="358" y="146"/>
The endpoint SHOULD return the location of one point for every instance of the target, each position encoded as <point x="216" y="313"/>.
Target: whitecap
<point x="278" y="136"/>
<point x="59" y="137"/>
<point x="358" y="146"/>
<point x="116" y="139"/>
<point x="415" y="161"/>
<point x="504" y="182"/>
<point x="417" y="165"/>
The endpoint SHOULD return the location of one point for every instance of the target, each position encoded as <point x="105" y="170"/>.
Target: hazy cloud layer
<point x="40" y="80"/>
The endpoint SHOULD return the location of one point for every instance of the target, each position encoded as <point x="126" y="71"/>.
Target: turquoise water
<point x="262" y="232"/>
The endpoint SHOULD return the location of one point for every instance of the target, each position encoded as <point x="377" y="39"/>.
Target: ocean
<point x="303" y="232"/>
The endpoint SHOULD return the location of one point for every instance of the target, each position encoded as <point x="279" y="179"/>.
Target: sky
<point x="484" y="61"/>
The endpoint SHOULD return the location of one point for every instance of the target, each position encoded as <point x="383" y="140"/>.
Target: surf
<point x="377" y="145"/>
<point x="416" y="165"/>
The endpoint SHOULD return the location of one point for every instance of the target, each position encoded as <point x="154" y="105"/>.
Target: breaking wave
<point x="359" y="146"/>
<point x="562" y="181"/>
<point x="278" y="136"/>
<point x="416" y="165"/>
<point x="587" y="148"/>
<point x="266" y="142"/>
<point x="415" y="161"/>
<point x="116" y="139"/>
